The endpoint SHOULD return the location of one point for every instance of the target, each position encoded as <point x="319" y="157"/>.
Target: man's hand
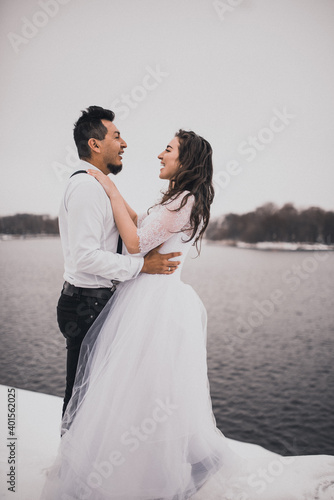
<point x="159" y="263"/>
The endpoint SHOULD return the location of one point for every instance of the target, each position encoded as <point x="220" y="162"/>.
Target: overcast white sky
<point x="224" y="69"/>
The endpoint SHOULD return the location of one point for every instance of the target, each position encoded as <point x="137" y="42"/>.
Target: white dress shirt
<point x="89" y="236"/>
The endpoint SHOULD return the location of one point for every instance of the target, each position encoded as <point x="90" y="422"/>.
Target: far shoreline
<point x="284" y="246"/>
<point x="280" y="246"/>
<point x="9" y="237"/>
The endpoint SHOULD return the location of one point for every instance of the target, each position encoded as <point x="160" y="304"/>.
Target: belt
<point x="71" y="290"/>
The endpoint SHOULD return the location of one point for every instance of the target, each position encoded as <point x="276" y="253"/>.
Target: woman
<point x="140" y="423"/>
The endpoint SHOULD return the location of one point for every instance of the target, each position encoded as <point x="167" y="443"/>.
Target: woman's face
<point x="170" y="160"/>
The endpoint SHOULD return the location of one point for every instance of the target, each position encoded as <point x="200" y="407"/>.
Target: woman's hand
<point x="105" y="181"/>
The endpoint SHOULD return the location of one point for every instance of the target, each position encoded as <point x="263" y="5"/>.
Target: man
<point x="90" y="240"/>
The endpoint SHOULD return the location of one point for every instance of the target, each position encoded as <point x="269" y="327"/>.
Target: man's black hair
<point x="88" y="126"/>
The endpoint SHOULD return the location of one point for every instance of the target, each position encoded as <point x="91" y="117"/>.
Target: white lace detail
<point x="163" y="221"/>
<point x="140" y="219"/>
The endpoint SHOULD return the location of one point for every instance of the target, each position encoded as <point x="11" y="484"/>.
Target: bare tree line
<point x="25" y="224"/>
<point x="270" y="223"/>
<point x="266" y="223"/>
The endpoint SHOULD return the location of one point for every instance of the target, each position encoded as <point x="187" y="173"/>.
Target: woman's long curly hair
<point x="194" y="175"/>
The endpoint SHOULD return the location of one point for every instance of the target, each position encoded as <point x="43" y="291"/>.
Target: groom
<point x="92" y="248"/>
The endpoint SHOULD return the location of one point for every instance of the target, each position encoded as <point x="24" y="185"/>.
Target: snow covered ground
<point x="30" y="445"/>
<point x="29" y="439"/>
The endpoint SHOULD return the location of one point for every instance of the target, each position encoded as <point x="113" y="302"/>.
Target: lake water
<point x="270" y="337"/>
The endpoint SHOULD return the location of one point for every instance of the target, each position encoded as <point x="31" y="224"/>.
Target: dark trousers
<point x="75" y="315"/>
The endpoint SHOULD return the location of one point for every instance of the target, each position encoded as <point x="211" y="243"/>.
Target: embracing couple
<point x="137" y="418"/>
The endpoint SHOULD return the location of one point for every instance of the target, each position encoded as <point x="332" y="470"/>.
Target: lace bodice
<point x="163" y="222"/>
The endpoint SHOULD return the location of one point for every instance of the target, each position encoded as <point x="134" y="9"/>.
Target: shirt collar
<point x="85" y="165"/>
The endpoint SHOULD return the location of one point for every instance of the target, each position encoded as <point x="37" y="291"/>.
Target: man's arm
<point x="86" y="206"/>
<point x="86" y="228"/>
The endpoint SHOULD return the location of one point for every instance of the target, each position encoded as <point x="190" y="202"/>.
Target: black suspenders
<point x="79" y="172"/>
<point x="119" y="242"/>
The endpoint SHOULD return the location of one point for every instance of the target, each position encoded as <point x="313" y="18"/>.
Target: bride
<point x="139" y="425"/>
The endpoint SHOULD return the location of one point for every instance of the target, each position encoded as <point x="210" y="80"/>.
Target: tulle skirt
<point x="140" y="425"/>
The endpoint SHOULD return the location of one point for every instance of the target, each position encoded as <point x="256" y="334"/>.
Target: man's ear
<point x="94" y="145"/>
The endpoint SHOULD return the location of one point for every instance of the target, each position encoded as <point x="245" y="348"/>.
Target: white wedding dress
<point x="140" y="425"/>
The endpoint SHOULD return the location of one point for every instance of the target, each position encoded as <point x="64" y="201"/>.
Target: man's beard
<point x="114" y="169"/>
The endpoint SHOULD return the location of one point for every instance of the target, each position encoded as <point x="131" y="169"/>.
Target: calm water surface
<point x="270" y="337"/>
